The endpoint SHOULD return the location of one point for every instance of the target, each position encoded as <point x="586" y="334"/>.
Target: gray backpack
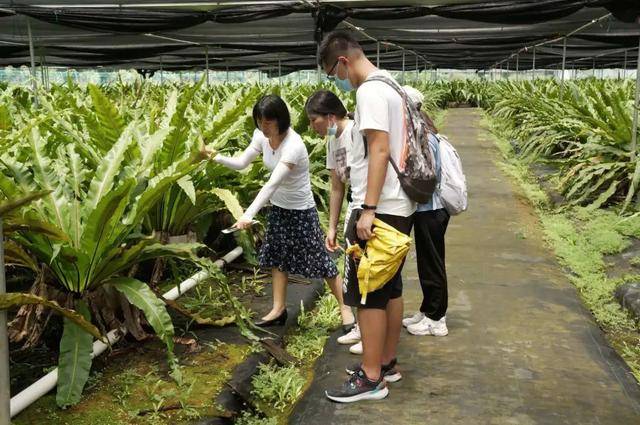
<point x="416" y="169"/>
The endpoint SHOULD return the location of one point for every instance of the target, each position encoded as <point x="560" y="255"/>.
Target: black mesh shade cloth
<point x="234" y="35"/>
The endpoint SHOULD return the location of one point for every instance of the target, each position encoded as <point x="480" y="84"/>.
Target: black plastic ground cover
<point x="629" y="297"/>
<point x="237" y="391"/>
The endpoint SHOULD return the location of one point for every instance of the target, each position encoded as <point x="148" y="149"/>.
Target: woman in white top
<point x="328" y="117"/>
<point x="293" y="241"/>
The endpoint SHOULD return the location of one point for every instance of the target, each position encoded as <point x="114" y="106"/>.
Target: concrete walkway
<point x="521" y="350"/>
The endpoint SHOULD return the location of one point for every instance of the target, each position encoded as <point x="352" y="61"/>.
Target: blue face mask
<point x="344" y="85"/>
<point x="332" y="130"/>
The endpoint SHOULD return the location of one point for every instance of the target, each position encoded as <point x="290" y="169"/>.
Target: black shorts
<point x="392" y="289"/>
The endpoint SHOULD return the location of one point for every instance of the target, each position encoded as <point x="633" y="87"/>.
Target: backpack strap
<point x="394" y="85"/>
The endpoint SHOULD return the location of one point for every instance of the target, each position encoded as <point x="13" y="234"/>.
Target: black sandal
<point x="348" y="328"/>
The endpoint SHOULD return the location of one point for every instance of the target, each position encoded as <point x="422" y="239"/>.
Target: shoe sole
<point x="348" y="342"/>
<point x="427" y="332"/>
<point x="369" y="395"/>
<point x="393" y="378"/>
<point x="356" y="352"/>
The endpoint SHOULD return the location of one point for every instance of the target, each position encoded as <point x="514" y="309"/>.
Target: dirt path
<point x="521" y="350"/>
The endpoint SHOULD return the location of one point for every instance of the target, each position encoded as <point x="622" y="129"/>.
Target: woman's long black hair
<point x="324" y="102"/>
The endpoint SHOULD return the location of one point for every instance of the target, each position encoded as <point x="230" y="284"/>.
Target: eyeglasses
<point x="329" y="76"/>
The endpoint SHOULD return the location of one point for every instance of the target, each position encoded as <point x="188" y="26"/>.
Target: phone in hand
<point x="233" y="229"/>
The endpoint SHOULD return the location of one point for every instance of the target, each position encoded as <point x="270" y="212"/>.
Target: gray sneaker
<point x="358" y="387"/>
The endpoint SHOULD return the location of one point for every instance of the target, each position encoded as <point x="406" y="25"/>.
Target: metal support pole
<point x="279" y="71"/>
<point x="417" y="70"/>
<point x="42" y="76"/>
<point x="517" y="66"/>
<point x="624" y="75"/>
<point x="32" y="55"/>
<point x="5" y="396"/>
<point x="634" y="134"/>
<point x="564" y="64"/>
<point x="206" y="63"/>
<point x="161" y="72"/>
<point x="378" y="55"/>
<point x="593" y="72"/>
<point x="227" y="75"/>
<point x="403" y="67"/>
<point x="533" y="69"/>
<point x="319" y="70"/>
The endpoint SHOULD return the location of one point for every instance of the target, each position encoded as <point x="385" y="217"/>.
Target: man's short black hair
<point x="272" y="107"/>
<point x="336" y="43"/>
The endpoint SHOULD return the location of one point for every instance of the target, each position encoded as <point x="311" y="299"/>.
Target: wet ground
<point x="522" y="349"/>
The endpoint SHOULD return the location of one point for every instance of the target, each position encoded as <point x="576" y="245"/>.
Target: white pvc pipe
<point x="5" y="381"/>
<point x="48" y="382"/>
<point x="200" y="276"/>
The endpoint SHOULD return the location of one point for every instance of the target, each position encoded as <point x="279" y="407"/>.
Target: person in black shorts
<point x="378" y="136"/>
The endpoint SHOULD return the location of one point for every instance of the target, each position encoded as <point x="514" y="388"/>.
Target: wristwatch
<point x="369" y="207"/>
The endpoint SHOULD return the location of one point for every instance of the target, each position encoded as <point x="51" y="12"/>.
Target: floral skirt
<point x="294" y="243"/>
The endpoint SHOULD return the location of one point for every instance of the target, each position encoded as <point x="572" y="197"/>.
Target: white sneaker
<point x="350" y="338"/>
<point x="429" y="327"/>
<point x="356" y="349"/>
<point x="407" y="321"/>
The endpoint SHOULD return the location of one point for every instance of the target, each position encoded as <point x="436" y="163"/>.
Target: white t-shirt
<point x="379" y="107"/>
<point x="338" y="150"/>
<point x="294" y="193"/>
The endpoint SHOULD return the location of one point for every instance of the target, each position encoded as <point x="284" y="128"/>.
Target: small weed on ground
<point x="278" y="386"/>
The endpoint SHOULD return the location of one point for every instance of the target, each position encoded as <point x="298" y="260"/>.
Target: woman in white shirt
<point x="328" y="117"/>
<point x="294" y="241"/>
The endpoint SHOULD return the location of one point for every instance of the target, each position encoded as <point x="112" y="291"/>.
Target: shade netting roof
<point x="236" y="35"/>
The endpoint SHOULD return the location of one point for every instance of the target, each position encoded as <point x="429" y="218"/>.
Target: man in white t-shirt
<point x="378" y="136"/>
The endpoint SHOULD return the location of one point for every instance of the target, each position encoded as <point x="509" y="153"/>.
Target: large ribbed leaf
<point x="157" y="188"/>
<point x="103" y="227"/>
<point x="5" y="118"/>
<point x="15" y="255"/>
<point x="139" y="294"/>
<point x="177" y="250"/>
<point x="15" y="299"/>
<point x="230" y="201"/>
<point x="174" y="145"/>
<point x="11" y="205"/>
<point x="186" y="184"/>
<point x="35" y="225"/>
<point x="149" y="146"/>
<point x="74" y="360"/>
<point x="109" y="124"/>
<point x="76" y="179"/>
<point x="107" y="171"/>
<point x="633" y="186"/>
<point x="47" y="180"/>
<point x="120" y="259"/>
